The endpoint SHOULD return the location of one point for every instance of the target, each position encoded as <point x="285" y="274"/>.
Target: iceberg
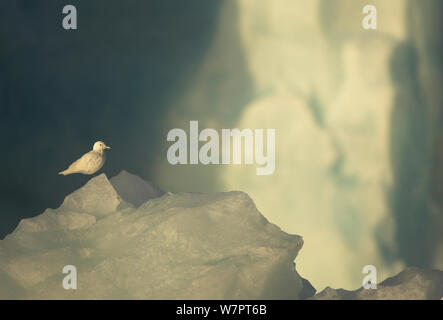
<point x="128" y="239"/>
<point x="411" y="284"/>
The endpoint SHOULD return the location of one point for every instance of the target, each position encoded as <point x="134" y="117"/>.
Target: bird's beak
<point x="106" y="147"/>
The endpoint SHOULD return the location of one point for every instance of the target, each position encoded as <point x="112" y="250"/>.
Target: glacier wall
<point x="357" y="118"/>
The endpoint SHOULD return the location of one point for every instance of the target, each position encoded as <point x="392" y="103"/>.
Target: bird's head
<point x="100" y="146"/>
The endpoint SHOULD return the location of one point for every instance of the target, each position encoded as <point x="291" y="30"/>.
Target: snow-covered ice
<point x="129" y="240"/>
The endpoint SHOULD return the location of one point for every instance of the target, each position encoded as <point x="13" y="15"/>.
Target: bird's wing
<point x="84" y="162"/>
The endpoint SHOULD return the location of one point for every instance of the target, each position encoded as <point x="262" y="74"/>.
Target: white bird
<point x="90" y="162"/>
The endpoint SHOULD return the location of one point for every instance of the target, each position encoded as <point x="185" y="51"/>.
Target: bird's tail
<point x="65" y="172"/>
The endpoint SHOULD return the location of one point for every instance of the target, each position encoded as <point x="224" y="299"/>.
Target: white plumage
<point x="90" y="162"/>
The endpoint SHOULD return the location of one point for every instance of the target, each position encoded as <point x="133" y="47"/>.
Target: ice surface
<point x="410" y="284"/>
<point x="177" y="246"/>
<point x="98" y="197"/>
<point x="133" y="189"/>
